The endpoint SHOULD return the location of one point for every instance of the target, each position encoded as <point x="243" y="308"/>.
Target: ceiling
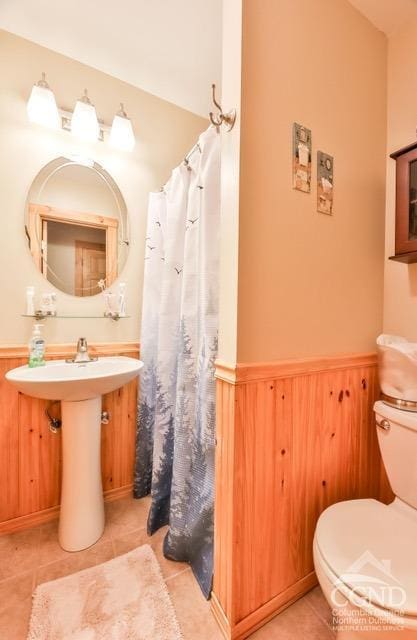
<point x="387" y="15"/>
<point x="170" y="49"/>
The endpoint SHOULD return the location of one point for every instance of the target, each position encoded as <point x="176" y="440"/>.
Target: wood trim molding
<point x="225" y="371"/>
<point x="46" y="515"/>
<point x="80" y="218"/>
<point x="39" y="214"/>
<point x="265" y="613"/>
<point x="257" y="371"/>
<point x="270" y="609"/>
<point x="66" y="350"/>
<point x="220" y="616"/>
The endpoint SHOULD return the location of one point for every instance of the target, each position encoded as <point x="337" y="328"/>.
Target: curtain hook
<point x="228" y="118"/>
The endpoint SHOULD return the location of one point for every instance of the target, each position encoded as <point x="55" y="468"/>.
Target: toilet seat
<point x="381" y="545"/>
<point x="327" y="581"/>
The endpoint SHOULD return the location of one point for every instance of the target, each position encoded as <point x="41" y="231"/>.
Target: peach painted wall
<point x="400" y="300"/>
<point x="310" y="284"/>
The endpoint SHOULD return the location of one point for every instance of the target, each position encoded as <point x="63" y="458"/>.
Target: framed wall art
<point x="301" y="158"/>
<point x="324" y="183"/>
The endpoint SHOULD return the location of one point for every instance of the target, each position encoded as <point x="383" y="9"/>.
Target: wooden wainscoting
<point x="30" y="455"/>
<point x="292" y="438"/>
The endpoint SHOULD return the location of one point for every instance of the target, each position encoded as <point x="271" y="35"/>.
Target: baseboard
<point x="118" y="492"/>
<point x="220" y="616"/>
<point x="29" y="520"/>
<point x="244" y="628"/>
<point x="46" y="515"/>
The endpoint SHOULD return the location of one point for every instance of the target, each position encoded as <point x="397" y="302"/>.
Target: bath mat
<point x="123" y="599"/>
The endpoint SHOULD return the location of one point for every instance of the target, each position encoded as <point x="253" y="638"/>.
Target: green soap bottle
<point x="36" y="348"/>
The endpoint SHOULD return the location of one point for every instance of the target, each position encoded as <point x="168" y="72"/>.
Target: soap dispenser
<point x="36" y="348"/>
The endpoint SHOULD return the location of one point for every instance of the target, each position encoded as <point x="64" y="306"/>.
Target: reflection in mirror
<point x="76" y="225"/>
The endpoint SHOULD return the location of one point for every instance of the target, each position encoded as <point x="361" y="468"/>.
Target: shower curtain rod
<point x="190" y="153"/>
<point x="186" y="160"/>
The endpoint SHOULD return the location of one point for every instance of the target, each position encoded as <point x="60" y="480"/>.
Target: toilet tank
<point x="397" y="367"/>
<point x="397" y="437"/>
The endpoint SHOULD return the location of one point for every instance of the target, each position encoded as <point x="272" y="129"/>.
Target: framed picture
<point x="301" y="158"/>
<point x="324" y="183"/>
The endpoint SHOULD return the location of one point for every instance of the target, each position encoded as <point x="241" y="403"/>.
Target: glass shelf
<point x="103" y="317"/>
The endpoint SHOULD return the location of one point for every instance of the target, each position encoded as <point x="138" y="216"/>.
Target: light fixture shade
<point x="121" y="134"/>
<point x="41" y="106"/>
<point x="84" y="123"/>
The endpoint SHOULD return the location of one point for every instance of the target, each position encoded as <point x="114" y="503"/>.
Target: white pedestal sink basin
<point x="79" y="386"/>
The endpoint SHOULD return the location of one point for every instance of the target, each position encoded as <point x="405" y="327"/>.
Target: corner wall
<point x="309" y="290"/>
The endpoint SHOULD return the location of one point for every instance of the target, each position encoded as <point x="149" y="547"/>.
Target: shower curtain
<point x="176" y="416"/>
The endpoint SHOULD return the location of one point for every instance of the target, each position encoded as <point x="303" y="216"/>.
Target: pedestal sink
<point x="80" y="387"/>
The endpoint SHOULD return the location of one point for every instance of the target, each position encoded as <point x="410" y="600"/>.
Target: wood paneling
<point x="291" y="440"/>
<point x="30" y="455"/>
<point x="39" y="517"/>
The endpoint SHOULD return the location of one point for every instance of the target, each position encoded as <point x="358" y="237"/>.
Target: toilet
<point x="365" y="552"/>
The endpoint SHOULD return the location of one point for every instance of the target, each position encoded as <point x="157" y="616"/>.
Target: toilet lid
<point x="372" y="548"/>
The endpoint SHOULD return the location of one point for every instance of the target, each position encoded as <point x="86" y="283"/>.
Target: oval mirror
<point x="76" y="226"/>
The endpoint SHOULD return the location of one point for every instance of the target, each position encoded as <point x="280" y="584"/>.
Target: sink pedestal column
<point x="82" y="507"/>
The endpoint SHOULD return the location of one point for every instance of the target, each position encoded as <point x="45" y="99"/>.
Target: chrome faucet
<point x="82" y="354"/>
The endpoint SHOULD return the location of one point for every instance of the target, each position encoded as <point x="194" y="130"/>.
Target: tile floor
<point x="30" y="557"/>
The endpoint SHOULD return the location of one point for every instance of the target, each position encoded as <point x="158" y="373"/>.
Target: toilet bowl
<point x="365" y="552"/>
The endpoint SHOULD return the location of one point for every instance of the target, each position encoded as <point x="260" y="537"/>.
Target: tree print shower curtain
<point x="176" y="418"/>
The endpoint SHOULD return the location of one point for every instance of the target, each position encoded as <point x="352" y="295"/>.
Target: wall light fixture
<point x="121" y="134"/>
<point x="41" y="106"/>
<point x="83" y="121"/>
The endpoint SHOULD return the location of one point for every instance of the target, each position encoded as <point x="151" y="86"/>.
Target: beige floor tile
<point x="318" y="602"/>
<point x="15" y="606"/>
<point x="50" y="549"/>
<point x="134" y="539"/>
<point x="193" y="610"/>
<point x="125" y="515"/>
<point x="19" y="552"/>
<point x="73" y="562"/>
<point x="34" y="556"/>
<point x="298" y="622"/>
